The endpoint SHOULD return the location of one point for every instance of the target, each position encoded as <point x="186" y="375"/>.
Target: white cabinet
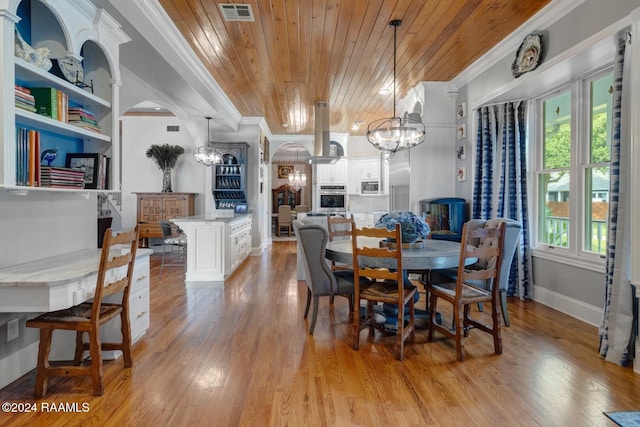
<point x="370" y="169"/>
<point x="335" y="173"/>
<point x="215" y="246"/>
<point x="80" y="33"/>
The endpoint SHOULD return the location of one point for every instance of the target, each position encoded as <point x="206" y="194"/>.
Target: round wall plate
<point x="529" y="55"/>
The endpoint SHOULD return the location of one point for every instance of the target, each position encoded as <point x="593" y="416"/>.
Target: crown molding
<point x="540" y="21"/>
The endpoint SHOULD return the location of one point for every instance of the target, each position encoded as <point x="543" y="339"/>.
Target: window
<point x="573" y="167"/>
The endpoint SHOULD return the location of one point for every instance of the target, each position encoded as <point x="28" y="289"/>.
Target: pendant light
<point x="297" y="179"/>
<point x="207" y="155"/>
<point x="394" y="134"/>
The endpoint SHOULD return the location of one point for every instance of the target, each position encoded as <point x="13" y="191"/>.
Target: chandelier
<point x="395" y="134"/>
<point x="207" y="155"/>
<point x="297" y="179"/>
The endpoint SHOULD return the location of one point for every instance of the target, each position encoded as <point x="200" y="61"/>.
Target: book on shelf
<point x="51" y="102"/>
<point x="24" y="100"/>
<point x="83" y="118"/>
<point x="28" y="171"/>
<point x="58" y="177"/>
<point x="46" y="101"/>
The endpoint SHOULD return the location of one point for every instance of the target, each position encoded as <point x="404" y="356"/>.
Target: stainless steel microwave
<point x="370" y="187"/>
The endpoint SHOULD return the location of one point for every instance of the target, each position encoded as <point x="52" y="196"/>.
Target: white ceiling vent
<point x="236" y="12"/>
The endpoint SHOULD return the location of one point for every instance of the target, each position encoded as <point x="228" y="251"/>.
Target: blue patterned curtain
<point x="502" y="191"/>
<point x="616" y="328"/>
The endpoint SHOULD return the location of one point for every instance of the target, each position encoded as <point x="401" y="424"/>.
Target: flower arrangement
<point x="166" y="157"/>
<point x="412" y="226"/>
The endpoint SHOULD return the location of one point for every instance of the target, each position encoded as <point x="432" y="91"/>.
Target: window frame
<point x="580" y="162"/>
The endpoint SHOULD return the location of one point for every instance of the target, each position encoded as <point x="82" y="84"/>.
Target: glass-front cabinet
<point x="230" y="177"/>
<point x="285" y="195"/>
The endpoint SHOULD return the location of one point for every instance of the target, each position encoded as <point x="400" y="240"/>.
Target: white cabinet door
<point x="332" y="173"/>
<point x="353" y="177"/>
<point x="370" y="169"/>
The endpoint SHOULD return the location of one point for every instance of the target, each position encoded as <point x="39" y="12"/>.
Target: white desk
<point x="66" y="280"/>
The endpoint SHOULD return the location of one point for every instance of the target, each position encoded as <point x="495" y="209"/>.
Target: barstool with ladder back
<point x="174" y="247"/>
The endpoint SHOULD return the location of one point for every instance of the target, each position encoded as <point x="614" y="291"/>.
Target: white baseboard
<point x="572" y="307"/>
<point x="17" y="364"/>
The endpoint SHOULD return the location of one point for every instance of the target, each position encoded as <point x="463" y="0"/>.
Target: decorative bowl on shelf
<point x="413" y="227"/>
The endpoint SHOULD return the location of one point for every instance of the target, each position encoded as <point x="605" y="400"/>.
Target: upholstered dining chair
<point x="513" y="229"/>
<point x="461" y="293"/>
<point x="379" y="278"/>
<point x="321" y="281"/>
<point x="302" y="208"/>
<point x="114" y="275"/>
<point x="284" y="218"/>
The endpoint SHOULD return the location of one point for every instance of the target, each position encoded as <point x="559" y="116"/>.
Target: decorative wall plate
<point x="529" y="55"/>
<point x="69" y="69"/>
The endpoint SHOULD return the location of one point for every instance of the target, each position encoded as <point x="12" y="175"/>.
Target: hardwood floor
<point x="240" y="354"/>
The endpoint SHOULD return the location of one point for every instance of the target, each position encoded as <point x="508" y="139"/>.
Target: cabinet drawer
<point x="140" y="274"/>
<point x="139" y="313"/>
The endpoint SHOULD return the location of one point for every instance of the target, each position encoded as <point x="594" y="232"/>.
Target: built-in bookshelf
<point x="69" y="113"/>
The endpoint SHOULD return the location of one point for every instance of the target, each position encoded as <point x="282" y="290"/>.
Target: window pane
<point x="596" y="209"/>
<point x="557" y="132"/>
<point x="601" y="113"/>
<point x="554" y="216"/>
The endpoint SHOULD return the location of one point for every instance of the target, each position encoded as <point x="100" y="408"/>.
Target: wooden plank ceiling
<point x="297" y="53"/>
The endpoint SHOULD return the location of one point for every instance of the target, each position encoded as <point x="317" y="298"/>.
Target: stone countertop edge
<point x="56" y="270"/>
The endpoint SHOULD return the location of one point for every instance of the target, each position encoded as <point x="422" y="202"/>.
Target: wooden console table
<point x="156" y="207"/>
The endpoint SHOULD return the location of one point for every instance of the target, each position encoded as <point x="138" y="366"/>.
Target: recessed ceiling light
<point x="356" y="124"/>
<point x="285" y="125"/>
<point x="384" y="91"/>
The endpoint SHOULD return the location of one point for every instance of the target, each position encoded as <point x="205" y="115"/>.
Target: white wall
<point x="141" y="174"/>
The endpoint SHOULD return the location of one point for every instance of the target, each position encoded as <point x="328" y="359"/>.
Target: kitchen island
<point x="216" y="245"/>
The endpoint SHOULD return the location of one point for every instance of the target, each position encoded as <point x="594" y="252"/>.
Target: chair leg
<point x="79" y="349"/>
<point x="356" y="326"/>
<point x="43" y="362"/>
<point x="433" y="301"/>
<point x="306" y="310"/>
<point x="95" y="349"/>
<point x="314" y="315"/>
<point x="503" y="306"/>
<point x="497" y="335"/>
<point x="125" y="329"/>
<point x="458" y="314"/>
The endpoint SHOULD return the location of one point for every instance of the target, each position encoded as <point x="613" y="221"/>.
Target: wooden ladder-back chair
<point x="114" y="275"/>
<point x="462" y="293"/>
<point x="340" y="229"/>
<point x="378" y="278"/>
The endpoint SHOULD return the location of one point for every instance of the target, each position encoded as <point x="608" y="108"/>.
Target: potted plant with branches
<point x="165" y="156"/>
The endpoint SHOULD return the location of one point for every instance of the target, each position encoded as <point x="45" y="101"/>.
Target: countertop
<point x="211" y="218"/>
<point x="56" y="270"/>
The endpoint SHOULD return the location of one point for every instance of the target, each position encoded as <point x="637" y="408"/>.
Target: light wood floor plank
<point x="239" y="354"/>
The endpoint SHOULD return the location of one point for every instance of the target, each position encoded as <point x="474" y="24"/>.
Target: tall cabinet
<point x="230" y="177"/>
<point x="77" y="114"/>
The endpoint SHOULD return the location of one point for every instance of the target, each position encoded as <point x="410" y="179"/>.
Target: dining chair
<point x="302" y="208"/>
<point x="340" y="229"/>
<point x="512" y="233"/>
<point x="284" y="218"/>
<point x="114" y="276"/>
<point x="321" y="281"/>
<point x="174" y="247"/>
<point x="461" y="293"/>
<point x="381" y="285"/>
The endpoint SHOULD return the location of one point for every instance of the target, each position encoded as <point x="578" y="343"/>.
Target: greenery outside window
<point x="573" y="167"/>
